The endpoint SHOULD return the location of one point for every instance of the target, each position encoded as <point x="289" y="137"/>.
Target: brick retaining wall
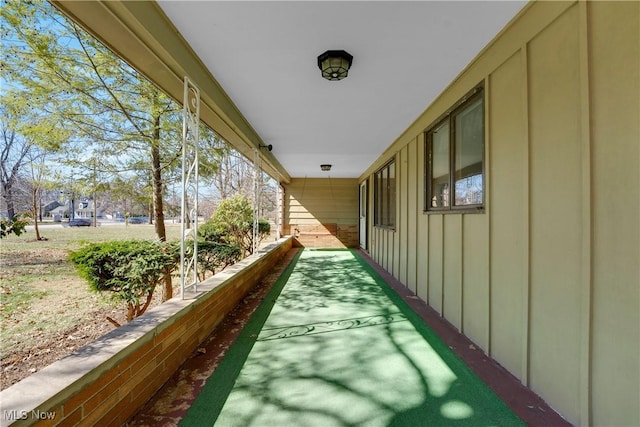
<point x="328" y="235"/>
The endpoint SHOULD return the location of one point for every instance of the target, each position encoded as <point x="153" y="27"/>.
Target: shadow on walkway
<point x="337" y="347"/>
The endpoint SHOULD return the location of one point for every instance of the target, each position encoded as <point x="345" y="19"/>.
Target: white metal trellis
<point x="257" y="196"/>
<point x="190" y="142"/>
<point x="279" y="208"/>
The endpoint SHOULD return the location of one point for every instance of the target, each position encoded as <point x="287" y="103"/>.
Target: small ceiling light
<point x="325" y="167"/>
<point x="335" y="64"/>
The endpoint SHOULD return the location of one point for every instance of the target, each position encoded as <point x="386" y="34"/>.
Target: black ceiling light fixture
<point x="335" y="64"/>
<point x="325" y="167"/>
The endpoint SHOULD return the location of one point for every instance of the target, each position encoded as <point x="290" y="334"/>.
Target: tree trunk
<point x="158" y="206"/>
<point x="34" y="194"/>
<point x="142" y="309"/>
<point x="8" y="198"/>
<point x="187" y="215"/>
<point x="157" y="192"/>
<point x="131" y="309"/>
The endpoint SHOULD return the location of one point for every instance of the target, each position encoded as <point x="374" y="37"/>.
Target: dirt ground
<point x="54" y="345"/>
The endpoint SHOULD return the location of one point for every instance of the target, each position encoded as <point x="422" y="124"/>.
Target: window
<point x="385" y="196"/>
<point x="455" y="157"/>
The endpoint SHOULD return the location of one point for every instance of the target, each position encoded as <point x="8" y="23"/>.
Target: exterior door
<point x="363" y="215"/>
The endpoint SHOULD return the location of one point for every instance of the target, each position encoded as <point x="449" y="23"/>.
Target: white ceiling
<point x="264" y="54"/>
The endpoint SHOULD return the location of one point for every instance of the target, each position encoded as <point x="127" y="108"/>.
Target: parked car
<point x="138" y="220"/>
<point x="80" y="222"/>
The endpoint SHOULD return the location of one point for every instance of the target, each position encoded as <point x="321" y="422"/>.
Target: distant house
<point x="82" y="209"/>
<point x="85" y="209"/>
<point x="49" y="207"/>
<point x="58" y="213"/>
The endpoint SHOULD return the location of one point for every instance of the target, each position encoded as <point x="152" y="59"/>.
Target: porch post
<point x="190" y="142"/>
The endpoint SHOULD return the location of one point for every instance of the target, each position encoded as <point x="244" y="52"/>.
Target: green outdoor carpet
<point x="334" y="345"/>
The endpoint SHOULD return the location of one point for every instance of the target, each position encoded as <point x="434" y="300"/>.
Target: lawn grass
<point x="26" y="262"/>
<point x="73" y="237"/>
<point x="40" y="290"/>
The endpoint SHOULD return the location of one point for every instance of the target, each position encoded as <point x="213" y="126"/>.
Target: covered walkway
<point x="333" y="344"/>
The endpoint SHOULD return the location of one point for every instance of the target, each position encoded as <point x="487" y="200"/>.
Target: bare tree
<point x="13" y="157"/>
<point x="37" y="169"/>
<point x="234" y="175"/>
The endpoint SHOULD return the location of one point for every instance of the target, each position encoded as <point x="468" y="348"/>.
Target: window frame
<point x="449" y="118"/>
<point x="378" y="197"/>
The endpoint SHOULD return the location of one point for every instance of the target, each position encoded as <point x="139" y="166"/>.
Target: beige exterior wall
<point x="322" y="212"/>
<point x="614" y="48"/>
<point x="547" y="280"/>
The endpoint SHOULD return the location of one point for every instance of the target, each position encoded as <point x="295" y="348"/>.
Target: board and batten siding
<point x="322" y="212"/>
<point x="547" y="279"/>
<point x="614" y="58"/>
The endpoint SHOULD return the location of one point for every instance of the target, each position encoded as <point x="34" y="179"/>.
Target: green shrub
<point x="129" y="269"/>
<point x="210" y="232"/>
<point x="16" y="225"/>
<point x="214" y="256"/>
<point x="232" y="223"/>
